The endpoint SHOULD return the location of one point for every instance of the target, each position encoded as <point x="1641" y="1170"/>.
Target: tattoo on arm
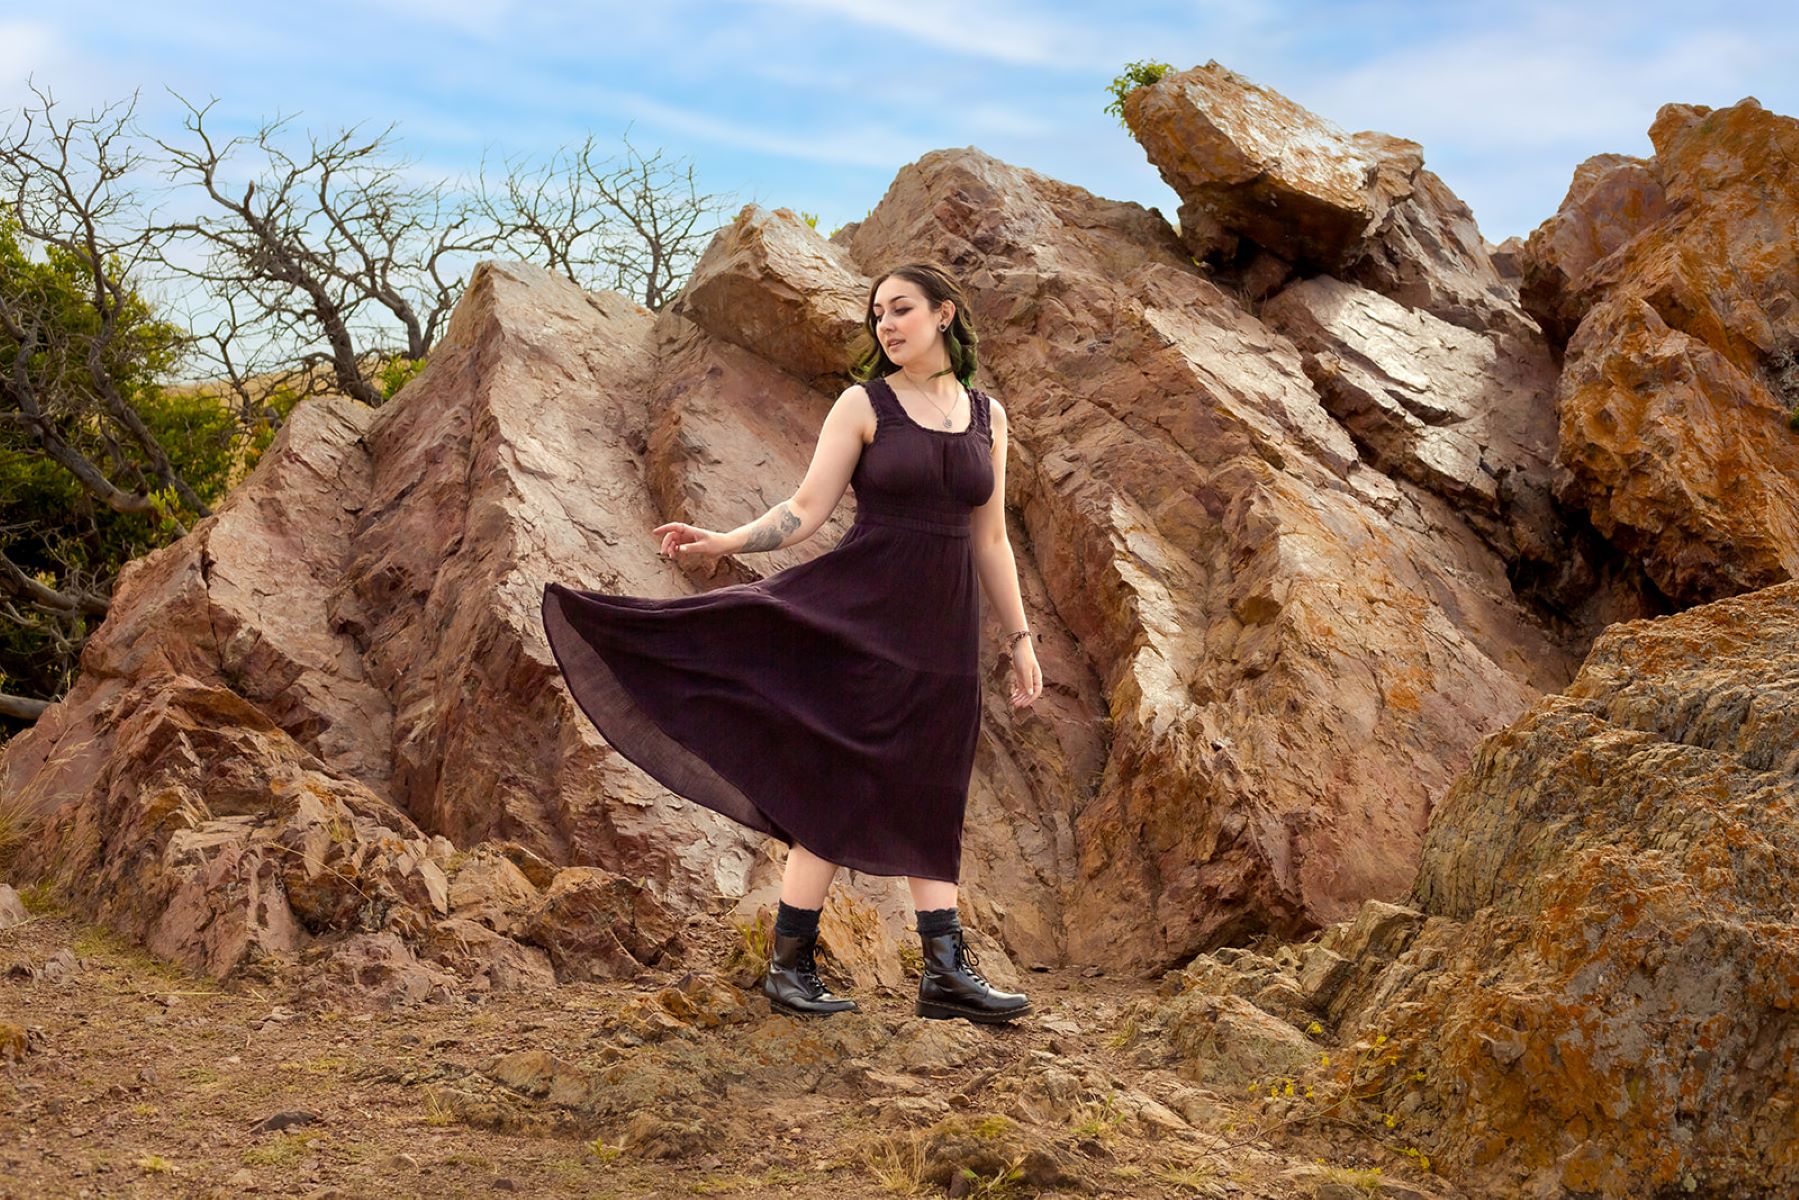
<point x="772" y="528"/>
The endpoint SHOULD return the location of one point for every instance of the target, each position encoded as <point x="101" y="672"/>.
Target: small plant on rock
<point x="1136" y="75"/>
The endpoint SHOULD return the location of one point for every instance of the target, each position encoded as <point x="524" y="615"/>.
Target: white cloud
<point x="25" y="45"/>
<point x="1028" y="35"/>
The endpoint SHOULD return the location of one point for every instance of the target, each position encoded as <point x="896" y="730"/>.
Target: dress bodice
<point x="936" y="476"/>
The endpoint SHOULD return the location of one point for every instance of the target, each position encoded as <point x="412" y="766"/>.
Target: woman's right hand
<point x="690" y="543"/>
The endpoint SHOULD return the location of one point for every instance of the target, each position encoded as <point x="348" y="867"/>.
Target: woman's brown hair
<point x="937" y="287"/>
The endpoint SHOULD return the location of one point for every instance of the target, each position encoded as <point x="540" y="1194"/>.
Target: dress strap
<point x="978" y="411"/>
<point x="880" y="394"/>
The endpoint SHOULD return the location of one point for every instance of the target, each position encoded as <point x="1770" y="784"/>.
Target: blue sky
<point x="815" y="104"/>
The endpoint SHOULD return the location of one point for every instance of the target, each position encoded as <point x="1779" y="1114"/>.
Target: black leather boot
<point x="792" y="984"/>
<point x="951" y="987"/>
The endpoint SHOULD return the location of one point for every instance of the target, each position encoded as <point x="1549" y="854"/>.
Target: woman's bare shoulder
<point x="855" y="398"/>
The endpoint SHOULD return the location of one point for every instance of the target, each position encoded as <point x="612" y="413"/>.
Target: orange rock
<point x="1674" y="398"/>
<point x="1266" y="184"/>
<point x="1601" y="998"/>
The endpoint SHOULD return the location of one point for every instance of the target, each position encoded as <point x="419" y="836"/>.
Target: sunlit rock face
<point x="1295" y="648"/>
<point x="1293" y="496"/>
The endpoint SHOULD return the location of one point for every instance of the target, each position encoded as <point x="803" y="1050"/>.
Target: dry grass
<point x="897" y="1163"/>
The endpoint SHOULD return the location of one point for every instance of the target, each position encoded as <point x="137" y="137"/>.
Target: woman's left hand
<point x="1027" y="676"/>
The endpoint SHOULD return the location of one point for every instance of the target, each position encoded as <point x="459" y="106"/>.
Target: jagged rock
<point x="1507" y="259"/>
<point x="1452" y="410"/>
<point x="1221" y="1041"/>
<point x="216" y="840"/>
<point x="1674" y="430"/>
<point x="486" y="959"/>
<point x="489" y="888"/>
<point x="371" y="970"/>
<point x="1050" y="1091"/>
<point x="768" y="283"/>
<point x="937" y="1047"/>
<point x="1208" y="534"/>
<point x="1380" y="930"/>
<point x="1264" y="181"/>
<point x="541" y="1074"/>
<point x="1599" y="999"/>
<point x="698" y="1001"/>
<point x="1322" y="974"/>
<point x="1264" y="168"/>
<point x="597" y="925"/>
<point x="171" y="847"/>
<point x="856" y="943"/>
<point x="1613" y="198"/>
<point x="1270" y="985"/>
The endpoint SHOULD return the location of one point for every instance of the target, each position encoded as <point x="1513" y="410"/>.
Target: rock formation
<point x="1318" y="502"/>
<point x="1208" y="532"/>
<point x="1672" y="281"/>
<point x="1288" y="501"/>
<point x="1591" y="990"/>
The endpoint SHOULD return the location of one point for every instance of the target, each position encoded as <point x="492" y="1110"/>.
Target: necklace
<point x="947" y="422"/>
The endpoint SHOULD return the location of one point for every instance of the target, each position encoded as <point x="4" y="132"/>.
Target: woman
<point x="836" y="705"/>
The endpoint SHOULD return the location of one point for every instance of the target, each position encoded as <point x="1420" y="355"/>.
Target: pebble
<point x="284" y="1120"/>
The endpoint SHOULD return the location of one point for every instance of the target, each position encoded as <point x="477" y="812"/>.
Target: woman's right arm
<point x="798" y="517"/>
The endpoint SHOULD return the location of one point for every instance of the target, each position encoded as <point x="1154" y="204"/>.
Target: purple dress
<point x="836" y="703"/>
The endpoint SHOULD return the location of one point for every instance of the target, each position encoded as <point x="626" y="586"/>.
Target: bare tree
<point x="635" y="227"/>
<point x="78" y="343"/>
<point x="65" y="351"/>
<point x="300" y="273"/>
<point x="331" y="257"/>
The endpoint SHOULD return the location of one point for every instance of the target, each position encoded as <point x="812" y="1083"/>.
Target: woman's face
<point x="904" y="323"/>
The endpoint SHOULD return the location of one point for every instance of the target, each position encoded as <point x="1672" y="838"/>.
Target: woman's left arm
<point x="998" y="569"/>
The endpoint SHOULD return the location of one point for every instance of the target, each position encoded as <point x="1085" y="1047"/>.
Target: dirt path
<point x="125" y="1077"/>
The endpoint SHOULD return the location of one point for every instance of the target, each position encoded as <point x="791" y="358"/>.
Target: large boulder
<point x="1248" y="162"/>
<point x="1599" y="999"/>
<point x="219" y="842"/>
<point x="770" y="285"/>
<point x="1270" y="189"/>
<point x="1673" y="280"/>
<point x="1612" y="198"/>
<point x="1297" y="650"/>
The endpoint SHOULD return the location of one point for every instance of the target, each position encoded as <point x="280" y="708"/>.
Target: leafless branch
<point x="635" y="227"/>
<point x="331" y="255"/>
<point x="60" y="187"/>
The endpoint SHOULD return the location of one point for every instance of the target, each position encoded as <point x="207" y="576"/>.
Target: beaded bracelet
<point x="1012" y="638"/>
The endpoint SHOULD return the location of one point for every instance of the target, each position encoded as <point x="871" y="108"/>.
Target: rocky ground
<point x="123" y="1076"/>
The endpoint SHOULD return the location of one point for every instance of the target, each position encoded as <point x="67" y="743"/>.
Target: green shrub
<point x="1136" y="75"/>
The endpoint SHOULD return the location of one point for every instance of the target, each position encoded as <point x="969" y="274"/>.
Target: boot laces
<point x="807" y="969"/>
<point x="966" y="959"/>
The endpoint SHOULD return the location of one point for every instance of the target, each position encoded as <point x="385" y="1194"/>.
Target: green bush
<point x="1136" y="75"/>
<point x="57" y="531"/>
